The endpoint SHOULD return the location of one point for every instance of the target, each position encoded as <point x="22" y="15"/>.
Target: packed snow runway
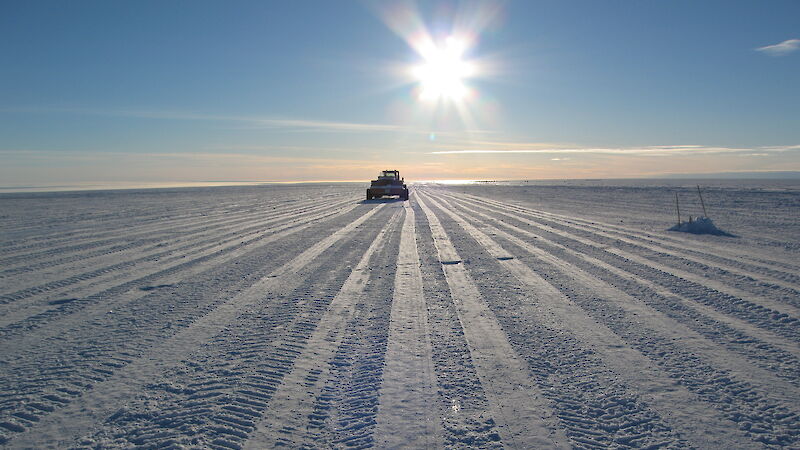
<point x="491" y="315"/>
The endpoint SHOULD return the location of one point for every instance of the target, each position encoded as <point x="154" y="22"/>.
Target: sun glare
<point x="441" y="76"/>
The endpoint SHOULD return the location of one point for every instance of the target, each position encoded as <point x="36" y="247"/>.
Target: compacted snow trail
<point x="404" y="418"/>
<point x="596" y="290"/>
<point x="469" y="316"/>
<point x="146" y="272"/>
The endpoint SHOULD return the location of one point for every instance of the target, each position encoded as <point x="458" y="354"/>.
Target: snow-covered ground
<point x="522" y="315"/>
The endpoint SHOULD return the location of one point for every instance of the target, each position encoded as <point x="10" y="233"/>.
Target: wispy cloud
<point x="782" y="48"/>
<point x="319" y="125"/>
<point x="283" y="124"/>
<point x="661" y="150"/>
<point x="252" y="122"/>
<point x="188" y="157"/>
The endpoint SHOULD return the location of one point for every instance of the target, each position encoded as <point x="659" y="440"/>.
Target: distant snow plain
<point x="522" y="315"/>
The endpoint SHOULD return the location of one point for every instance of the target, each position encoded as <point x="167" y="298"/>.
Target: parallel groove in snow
<point x="558" y="314"/>
<point x="741" y="308"/>
<point x="737" y="399"/>
<point x="461" y="403"/>
<point x="169" y="252"/>
<point x="670" y="243"/>
<point x="190" y="334"/>
<point x="595" y="239"/>
<point x="705" y="262"/>
<point x="520" y="411"/>
<point x="119" y="296"/>
<point x="91" y="237"/>
<point x="35" y="313"/>
<point x="156" y="238"/>
<point x="102" y="239"/>
<point x="304" y="316"/>
<point x="133" y="211"/>
<point x="293" y="400"/>
<point x="405" y="418"/>
<point x="773" y="353"/>
<point x="736" y="264"/>
<point x="344" y="413"/>
<point x="702" y="318"/>
<point x="771" y="232"/>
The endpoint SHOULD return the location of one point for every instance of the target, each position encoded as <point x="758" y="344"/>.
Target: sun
<point x="441" y="76"/>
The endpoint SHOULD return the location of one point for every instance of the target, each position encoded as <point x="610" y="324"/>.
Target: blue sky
<point x="320" y="90"/>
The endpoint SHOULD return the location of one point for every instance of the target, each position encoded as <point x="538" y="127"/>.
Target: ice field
<point x="520" y="315"/>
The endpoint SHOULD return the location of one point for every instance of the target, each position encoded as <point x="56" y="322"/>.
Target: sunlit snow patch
<point x="700" y="225"/>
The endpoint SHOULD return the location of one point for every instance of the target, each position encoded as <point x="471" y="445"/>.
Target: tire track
<point x="90" y="360"/>
<point x="175" y="241"/>
<point x="141" y="310"/>
<point x="279" y="337"/>
<point x="778" y="318"/>
<point x="154" y="236"/>
<point x="462" y="404"/>
<point x="405" y="418"/>
<point x="215" y="397"/>
<point x="523" y="417"/>
<point x="291" y="406"/>
<point x="208" y="214"/>
<point x="23" y="314"/>
<point x="767" y="420"/>
<point x="87" y="229"/>
<point x="776" y="274"/>
<point x="767" y="350"/>
<point x="774" y="269"/>
<point x="178" y="250"/>
<point x="754" y="283"/>
<point x="732" y="268"/>
<point x="736" y="206"/>
<point x="579" y="363"/>
<point x="31" y="331"/>
<point x="344" y="410"/>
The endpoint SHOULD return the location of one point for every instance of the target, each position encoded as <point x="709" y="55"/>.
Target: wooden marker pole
<point x="701" y="201"/>
<point x="678" y="208"/>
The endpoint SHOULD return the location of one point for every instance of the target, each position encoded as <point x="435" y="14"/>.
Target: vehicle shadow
<point x="381" y="200"/>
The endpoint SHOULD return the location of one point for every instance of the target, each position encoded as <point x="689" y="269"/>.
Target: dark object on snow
<point x="700" y="225"/>
<point x="388" y="183"/>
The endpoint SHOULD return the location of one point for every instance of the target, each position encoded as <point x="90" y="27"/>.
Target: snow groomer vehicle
<point x="388" y="184"/>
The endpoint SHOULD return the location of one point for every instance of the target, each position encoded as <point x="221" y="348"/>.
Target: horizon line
<point x="137" y="185"/>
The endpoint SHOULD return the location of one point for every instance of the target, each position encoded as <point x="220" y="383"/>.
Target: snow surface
<point x="522" y="315"/>
<point x="699" y="225"/>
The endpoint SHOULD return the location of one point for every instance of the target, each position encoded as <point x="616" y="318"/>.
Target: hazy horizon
<point x="761" y="179"/>
<point x="165" y="93"/>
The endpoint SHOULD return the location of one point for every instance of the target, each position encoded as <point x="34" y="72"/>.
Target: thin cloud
<point x="780" y="49"/>
<point x="665" y="150"/>
<point x="186" y="158"/>
<point x="319" y="125"/>
<point x="255" y="121"/>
